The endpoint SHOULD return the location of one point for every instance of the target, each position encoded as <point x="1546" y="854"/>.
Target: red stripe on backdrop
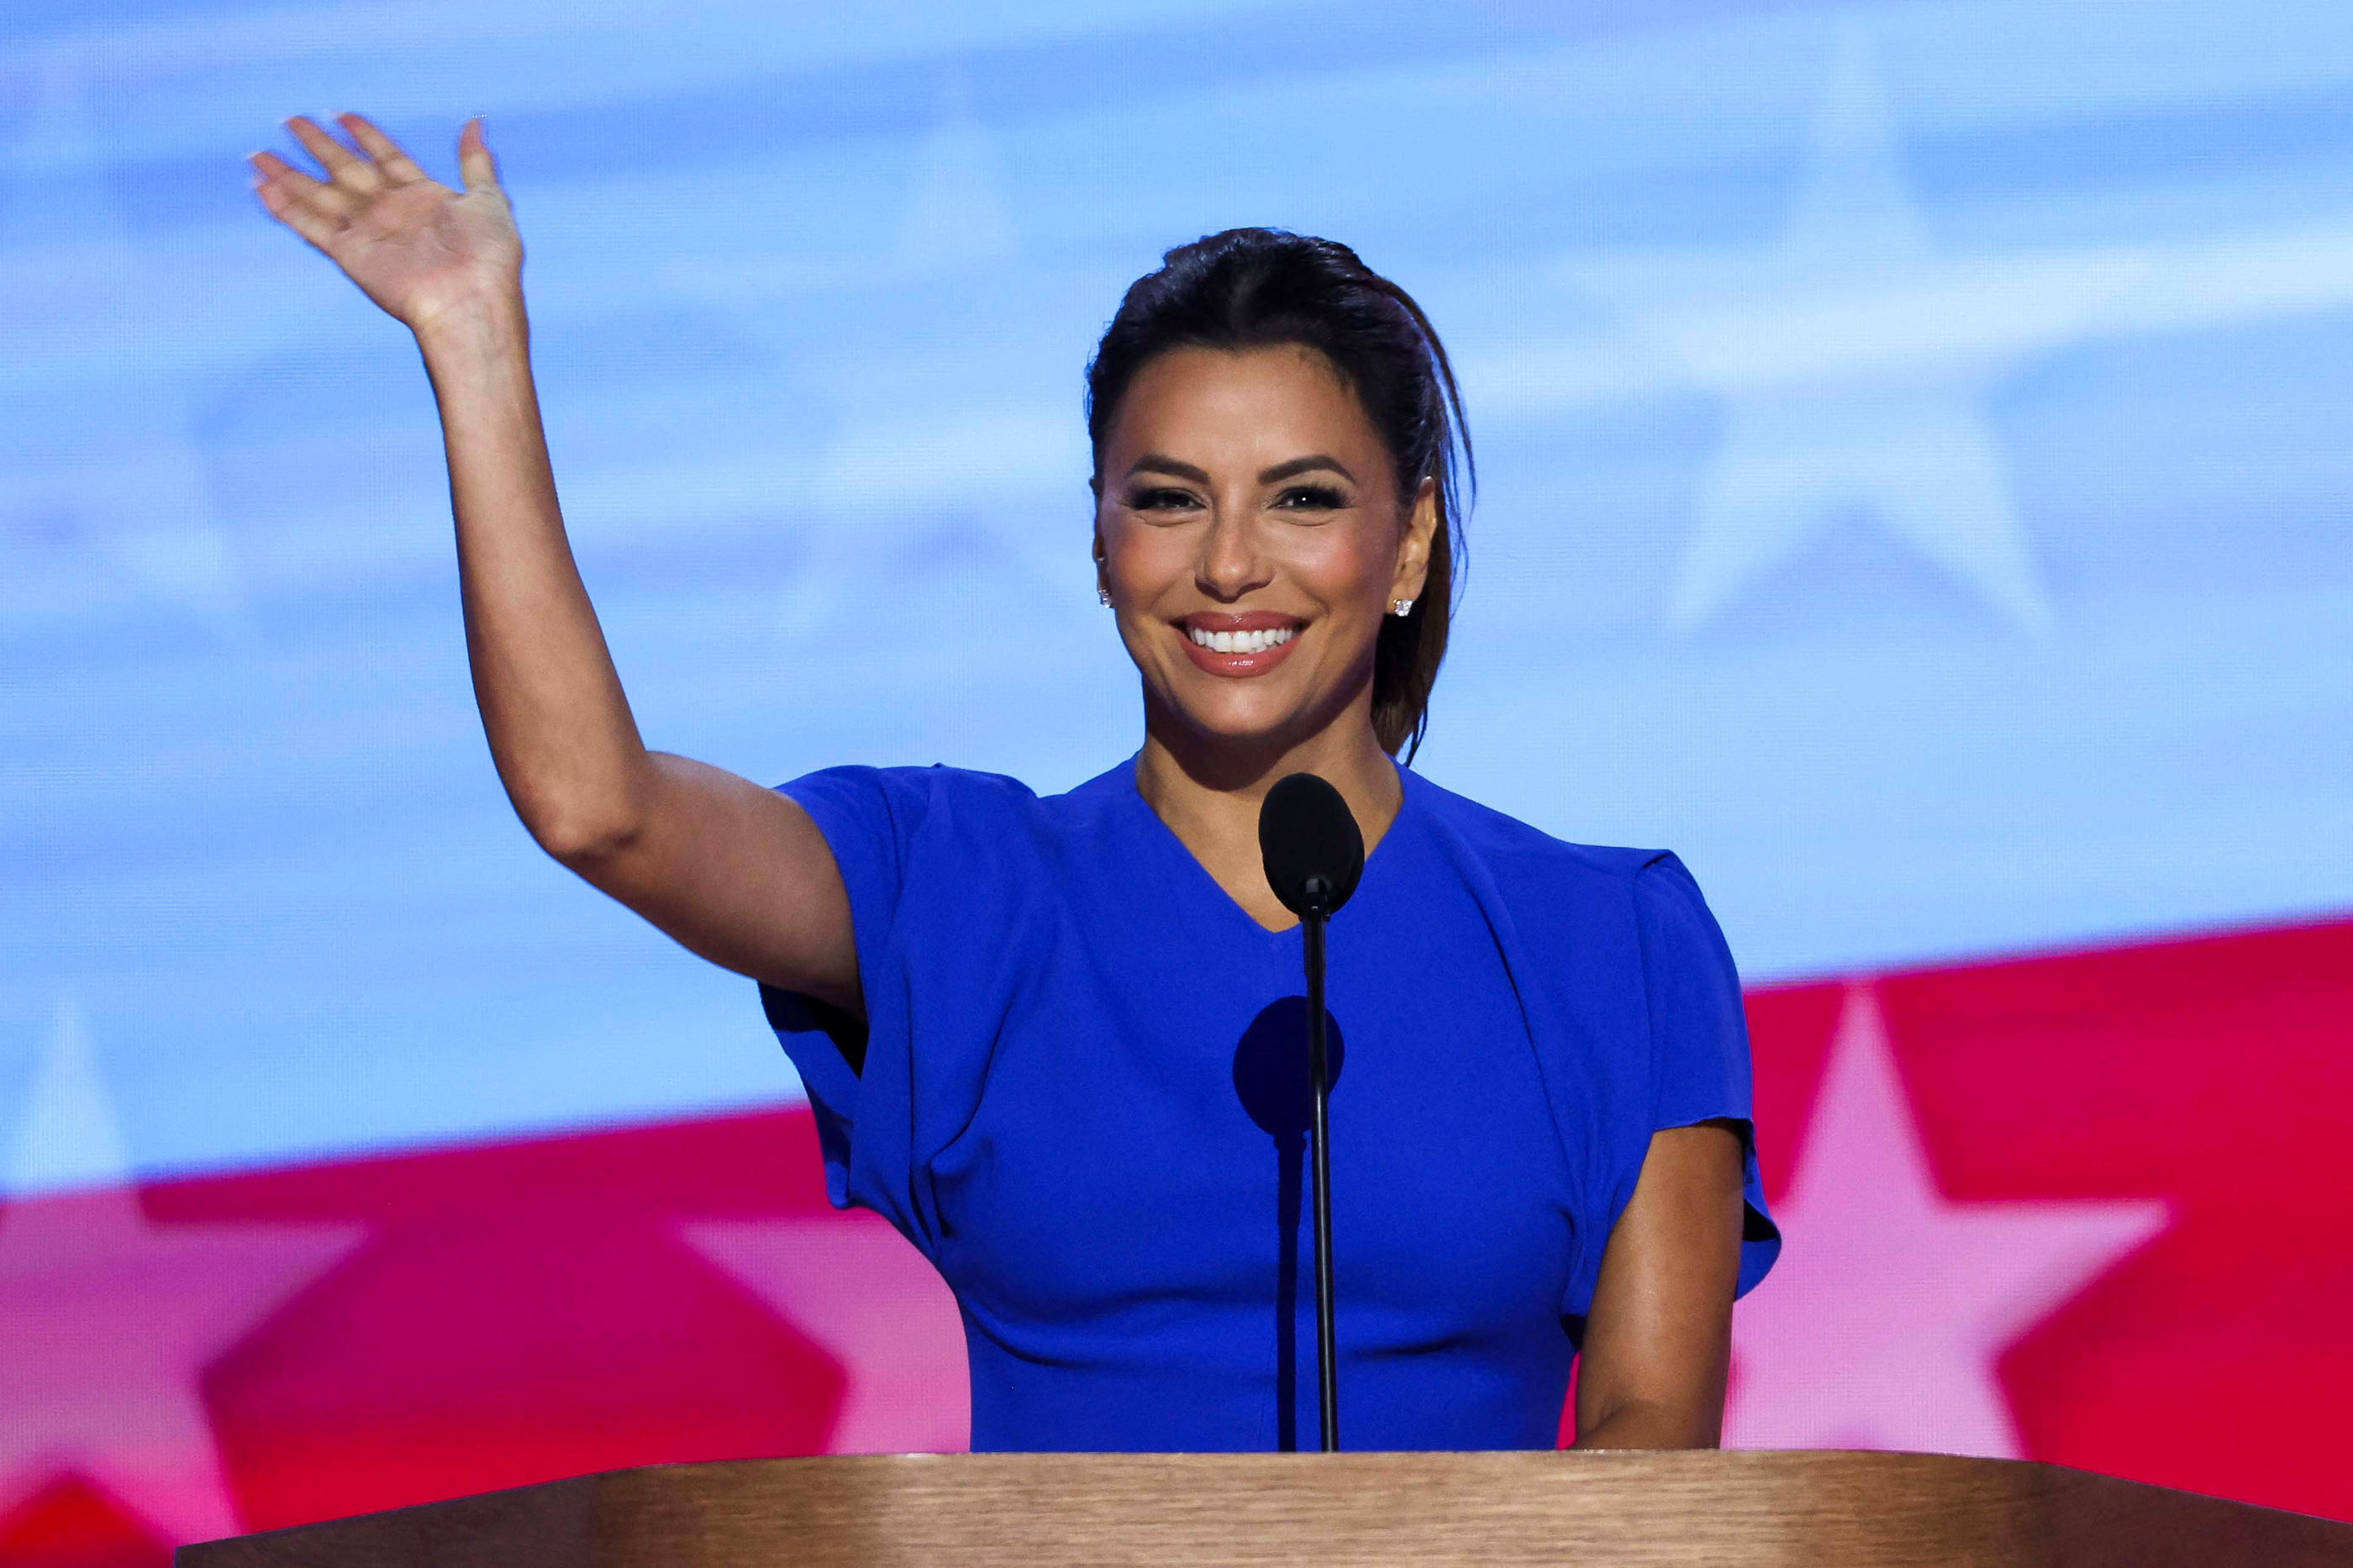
<point x="520" y="1312"/>
<point x="2165" y="1123"/>
<point x="2218" y="1073"/>
<point x="508" y="1314"/>
<point x="2213" y="1077"/>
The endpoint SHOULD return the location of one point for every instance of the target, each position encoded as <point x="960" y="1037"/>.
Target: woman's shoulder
<point x="1508" y="845"/>
<point x="911" y="797"/>
<point x="989" y="814"/>
<point x="938" y="781"/>
<point x="1591" y="899"/>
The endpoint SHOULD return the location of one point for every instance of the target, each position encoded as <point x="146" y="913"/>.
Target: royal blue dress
<point x="1083" y="1097"/>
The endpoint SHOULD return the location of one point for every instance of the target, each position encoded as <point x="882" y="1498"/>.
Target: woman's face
<point x="1250" y="533"/>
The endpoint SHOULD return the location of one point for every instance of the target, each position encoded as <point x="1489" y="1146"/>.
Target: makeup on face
<point x="1244" y="516"/>
<point x="1240" y="644"/>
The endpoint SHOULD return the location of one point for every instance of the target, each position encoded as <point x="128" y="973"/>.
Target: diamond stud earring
<point x="1103" y="596"/>
<point x="1400" y="608"/>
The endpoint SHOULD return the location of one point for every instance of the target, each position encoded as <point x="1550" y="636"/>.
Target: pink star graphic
<point x="872" y="1302"/>
<point x="1882" y="1325"/>
<point x="111" y="1319"/>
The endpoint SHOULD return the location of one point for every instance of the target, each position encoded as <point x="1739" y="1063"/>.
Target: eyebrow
<point x="1160" y="463"/>
<point x="1306" y="465"/>
<point x="1157" y="463"/>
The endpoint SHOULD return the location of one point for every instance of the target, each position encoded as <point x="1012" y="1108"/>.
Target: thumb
<point x="474" y="160"/>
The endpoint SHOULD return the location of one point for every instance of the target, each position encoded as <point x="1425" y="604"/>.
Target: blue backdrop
<point x="1914" y="446"/>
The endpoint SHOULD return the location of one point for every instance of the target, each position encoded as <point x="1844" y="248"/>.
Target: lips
<point x="1239" y="645"/>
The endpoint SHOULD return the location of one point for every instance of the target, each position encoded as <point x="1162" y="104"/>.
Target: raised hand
<point x="413" y="245"/>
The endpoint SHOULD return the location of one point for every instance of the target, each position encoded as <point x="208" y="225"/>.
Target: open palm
<point x="413" y="245"/>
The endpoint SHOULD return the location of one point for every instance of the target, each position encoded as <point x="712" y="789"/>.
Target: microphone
<point x="1314" y="855"/>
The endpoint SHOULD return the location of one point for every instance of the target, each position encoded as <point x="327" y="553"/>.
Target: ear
<point x="1414" y="547"/>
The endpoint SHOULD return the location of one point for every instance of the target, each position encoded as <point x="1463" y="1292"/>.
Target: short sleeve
<point x="940" y="865"/>
<point x="1699" y="1035"/>
<point x="869" y="817"/>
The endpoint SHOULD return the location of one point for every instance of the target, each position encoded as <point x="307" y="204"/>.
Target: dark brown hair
<point x="1255" y="287"/>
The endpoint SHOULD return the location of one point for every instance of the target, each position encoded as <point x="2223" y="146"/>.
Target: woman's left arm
<point x="1658" y="1343"/>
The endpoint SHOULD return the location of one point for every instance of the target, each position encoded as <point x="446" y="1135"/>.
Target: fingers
<point x="320" y="210"/>
<point x="397" y="167"/>
<point x="474" y="160"/>
<point x="347" y="169"/>
<point x="292" y="181"/>
<point x="298" y="201"/>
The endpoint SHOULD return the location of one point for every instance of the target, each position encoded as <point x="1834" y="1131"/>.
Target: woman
<point x="1057" y="1041"/>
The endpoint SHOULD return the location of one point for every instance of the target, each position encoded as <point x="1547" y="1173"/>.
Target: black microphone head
<point x="1314" y="852"/>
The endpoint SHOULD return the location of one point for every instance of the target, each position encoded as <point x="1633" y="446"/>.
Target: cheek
<point x="1135" y="555"/>
<point x="1345" y="561"/>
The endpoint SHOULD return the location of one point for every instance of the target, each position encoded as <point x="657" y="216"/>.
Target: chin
<point x="1241" y="719"/>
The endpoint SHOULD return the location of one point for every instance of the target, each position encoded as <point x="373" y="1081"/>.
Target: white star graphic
<point x="1832" y="406"/>
<point x="1882" y="1325"/>
<point x="957" y="213"/>
<point x="877" y="1306"/>
<point x="112" y="1319"/>
<point x="1852" y="360"/>
<point x="1853" y="329"/>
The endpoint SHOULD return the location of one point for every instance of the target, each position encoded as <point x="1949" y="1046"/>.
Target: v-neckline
<point x="1202" y="875"/>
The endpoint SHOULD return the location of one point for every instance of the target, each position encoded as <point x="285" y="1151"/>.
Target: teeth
<point x="1242" y="642"/>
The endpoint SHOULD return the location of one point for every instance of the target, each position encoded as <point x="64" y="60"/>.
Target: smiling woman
<point x="1179" y="544"/>
<point x="1055" y="1041"/>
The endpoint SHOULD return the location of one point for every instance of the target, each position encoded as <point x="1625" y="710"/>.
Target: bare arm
<point x="1658" y="1343"/>
<point x="736" y="872"/>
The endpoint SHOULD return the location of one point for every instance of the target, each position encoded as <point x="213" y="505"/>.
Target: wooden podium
<point x="1041" y="1510"/>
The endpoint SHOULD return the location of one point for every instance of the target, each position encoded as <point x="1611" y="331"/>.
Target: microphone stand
<point x="1319" y="1080"/>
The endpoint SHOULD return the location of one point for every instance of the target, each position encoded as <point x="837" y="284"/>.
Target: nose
<point x="1230" y="563"/>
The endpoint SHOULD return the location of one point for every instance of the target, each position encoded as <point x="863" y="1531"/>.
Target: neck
<point x="1208" y="788"/>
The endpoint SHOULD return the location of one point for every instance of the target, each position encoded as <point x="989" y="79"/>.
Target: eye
<point x="1162" y="498"/>
<point x="1311" y="497"/>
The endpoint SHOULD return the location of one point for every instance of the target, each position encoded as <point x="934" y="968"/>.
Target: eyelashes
<point x="1291" y="498"/>
<point x="1162" y="499"/>
<point x="1311" y="497"/>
